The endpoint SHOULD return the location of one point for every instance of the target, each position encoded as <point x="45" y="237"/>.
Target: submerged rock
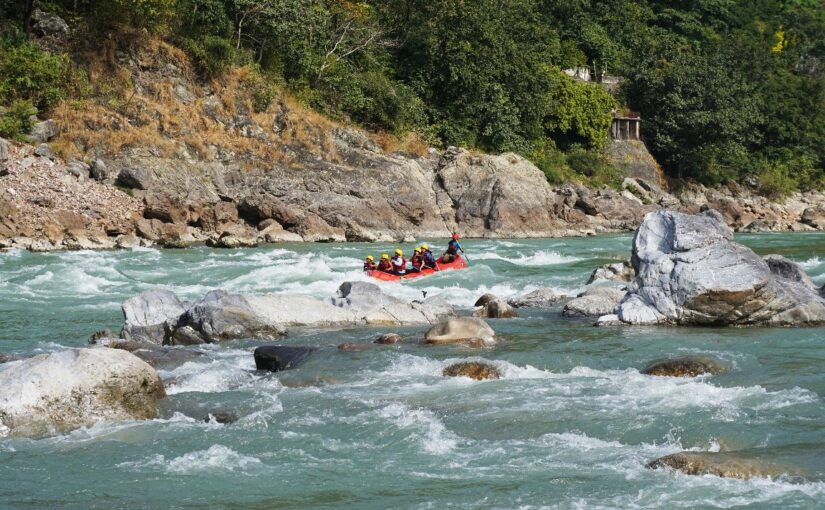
<point x="354" y="347"/>
<point x="594" y="302"/>
<point x="280" y="357"/>
<point x="539" y="298"/>
<point x="461" y="329"/>
<point x="222" y="417"/>
<point x="725" y="465"/>
<point x="685" y="366"/>
<point x="389" y="338"/>
<point x="474" y="370"/>
<point x="689" y="271"/>
<point x="149" y="316"/>
<point x="65" y="390"/>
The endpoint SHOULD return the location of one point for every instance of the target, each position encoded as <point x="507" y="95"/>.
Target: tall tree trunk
<point x="27" y="17"/>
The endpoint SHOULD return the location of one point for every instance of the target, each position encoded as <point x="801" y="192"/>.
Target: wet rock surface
<point x="474" y="370"/>
<point x="389" y="338"/>
<point x="275" y="358"/>
<point x="685" y="366"/>
<point x="725" y="465"/>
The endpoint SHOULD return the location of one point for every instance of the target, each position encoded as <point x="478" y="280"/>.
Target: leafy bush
<point x="211" y="54"/>
<point x="16" y="122"/>
<point x="775" y="182"/>
<point x="29" y="73"/>
<point x="551" y="161"/>
<point x="593" y="165"/>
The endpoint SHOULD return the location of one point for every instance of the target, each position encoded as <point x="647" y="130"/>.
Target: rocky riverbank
<point x="142" y="200"/>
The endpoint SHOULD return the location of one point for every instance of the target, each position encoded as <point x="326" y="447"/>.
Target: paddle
<point x="464" y="254"/>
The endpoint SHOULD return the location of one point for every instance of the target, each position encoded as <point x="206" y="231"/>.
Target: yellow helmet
<point x="385" y="256"/>
<point x="425" y="247"/>
<point x="370" y="258"/>
<point x="418" y="250"/>
<point x="398" y="251"/>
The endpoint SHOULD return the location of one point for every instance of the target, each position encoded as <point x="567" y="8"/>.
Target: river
<point x="571" y="424"/>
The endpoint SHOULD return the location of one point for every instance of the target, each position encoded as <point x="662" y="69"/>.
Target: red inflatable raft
<point x="458" y="263"/>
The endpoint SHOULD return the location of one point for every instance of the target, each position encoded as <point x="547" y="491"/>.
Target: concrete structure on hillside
<point x="625" y="126"/>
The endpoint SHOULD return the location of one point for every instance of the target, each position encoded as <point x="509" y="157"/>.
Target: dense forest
<point x="728" y="89"/>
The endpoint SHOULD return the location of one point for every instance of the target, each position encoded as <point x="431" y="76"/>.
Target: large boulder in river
<point x="275" y="358"/>
<point x="594" y="302"/>
<point x="459" y="330"/>
<point x="149" y="316"/>
<point x="65" y="390"/>
<point x="725" y="465"/>
<point x="689" y="271"/>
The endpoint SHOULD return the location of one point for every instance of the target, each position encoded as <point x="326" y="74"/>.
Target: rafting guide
<point x="422" y="262"/>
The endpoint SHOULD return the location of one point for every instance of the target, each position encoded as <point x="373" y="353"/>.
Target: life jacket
<point x="369" y="266"/>
<point x="384" y="265"/>
<point x="417" y="261"/>
<point x="429" y="258"/>
<point x="452" y="247"/>
<point x="399" y="264"/>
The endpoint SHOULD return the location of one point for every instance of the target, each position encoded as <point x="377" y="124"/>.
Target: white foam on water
<point x="810" y="263"/>
<point x="539" y="258"/>
<point x="611" y="391"/>
<point x="429" y="431"/>
<point x="693" y="491"/>
<point x="217" y="458"/>
<point x="224" y="370"/>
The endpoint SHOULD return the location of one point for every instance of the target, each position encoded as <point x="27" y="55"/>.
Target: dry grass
<point x="410" y="143"/>
<point x="133" y="103"/>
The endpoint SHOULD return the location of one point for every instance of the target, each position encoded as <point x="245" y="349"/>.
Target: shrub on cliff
<point x="16" y="120"/>
<point x="28" y="73"/>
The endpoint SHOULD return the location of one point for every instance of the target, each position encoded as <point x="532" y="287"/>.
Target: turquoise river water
<point x="571" y="424"/>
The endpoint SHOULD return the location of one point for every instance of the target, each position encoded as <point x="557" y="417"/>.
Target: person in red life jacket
<point x="384" y="264"/>
<point x="452" y="249"/>
<point x="428" y="259"/>
<point x="417" y="261"/>
<point x="399" y="263"/>
<point x="369" y="263"/>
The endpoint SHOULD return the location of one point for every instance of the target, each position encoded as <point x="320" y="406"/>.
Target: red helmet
<point x="456" y="236"/>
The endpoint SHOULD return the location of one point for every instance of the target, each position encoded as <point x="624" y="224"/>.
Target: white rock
<point x="65" y="390"/>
